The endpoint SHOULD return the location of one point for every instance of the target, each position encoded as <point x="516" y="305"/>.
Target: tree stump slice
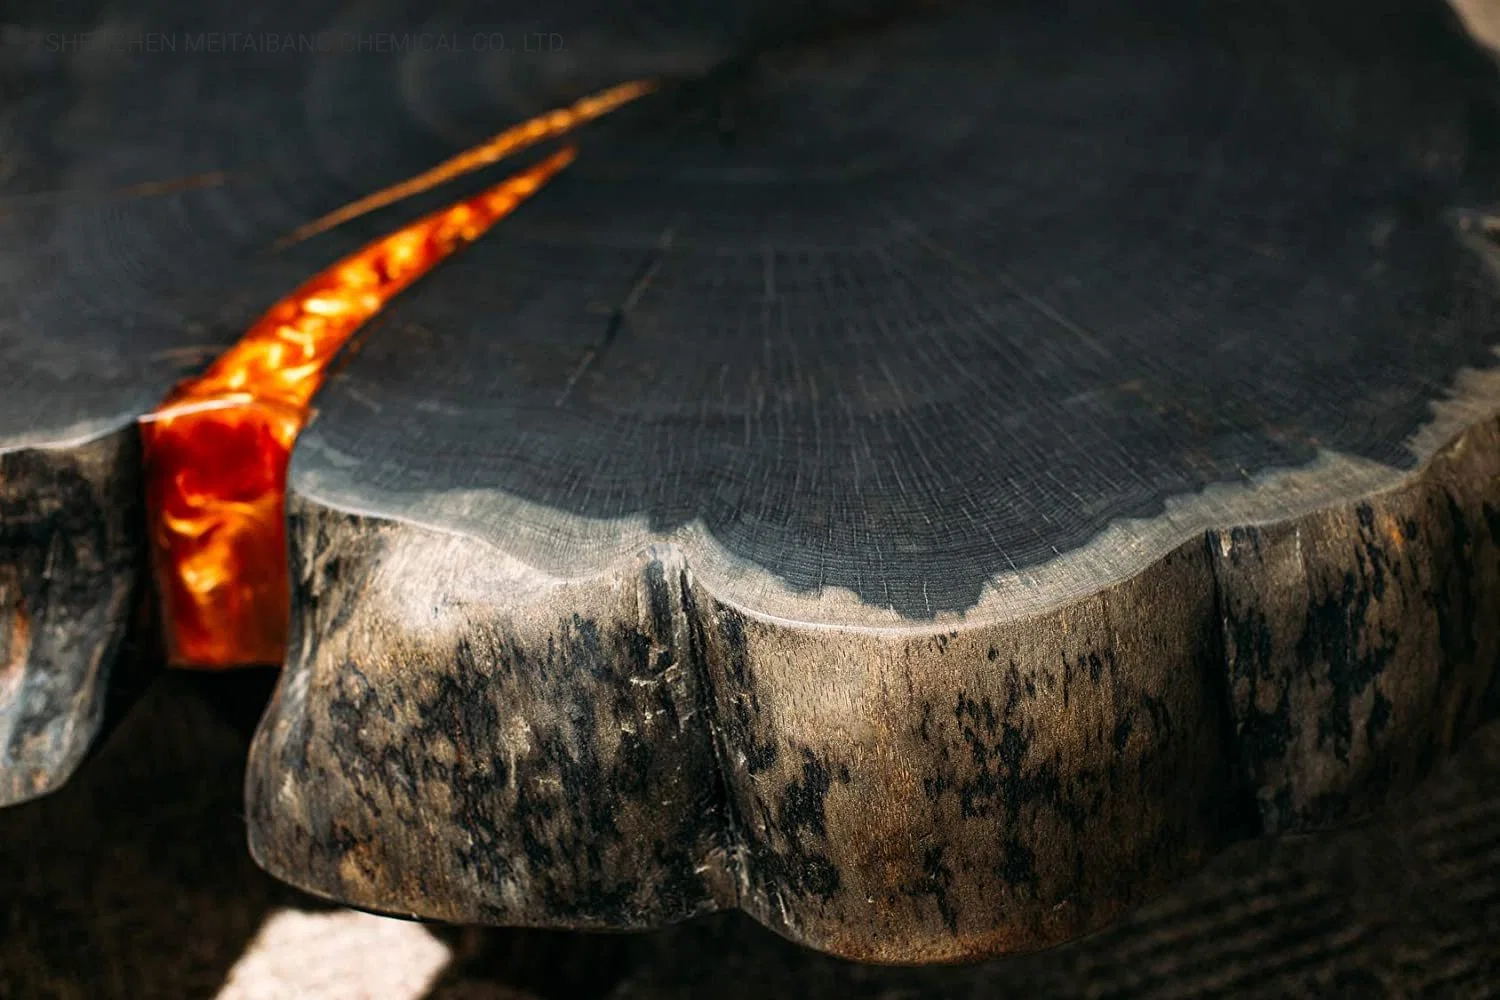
<point x="153" y="153"/>
<point x="927" y="483"/>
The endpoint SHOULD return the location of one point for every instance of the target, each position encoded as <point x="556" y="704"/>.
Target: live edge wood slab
<point x="925" y="480"/>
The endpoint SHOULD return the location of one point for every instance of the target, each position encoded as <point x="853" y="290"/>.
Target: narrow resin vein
<point x="216" y="450"/>
<point x="501" y="145"/>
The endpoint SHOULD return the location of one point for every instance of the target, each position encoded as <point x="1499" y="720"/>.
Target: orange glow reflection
<point x="216" y="450"/>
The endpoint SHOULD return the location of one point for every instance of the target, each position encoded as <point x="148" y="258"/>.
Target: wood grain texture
<point x="70" y="576"/>
<point x="993" y="462"/>
<point x="927" y="482"/>
<point x="120" y="247"/>
<point x="1360" y="640"/>
<point x="458" y="737"/>
<point x="140" y="190"/>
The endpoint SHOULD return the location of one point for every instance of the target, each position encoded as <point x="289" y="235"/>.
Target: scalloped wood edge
<point x="461" y="736"/>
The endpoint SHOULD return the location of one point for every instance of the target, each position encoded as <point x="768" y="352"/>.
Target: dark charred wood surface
<point x="993" y="463"/>
<point x="70" y="577"/>
<point x="926" y="480"/>
<point x="140" y="192"/>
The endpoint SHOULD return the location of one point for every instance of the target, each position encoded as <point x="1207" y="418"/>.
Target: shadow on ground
<point x="133" y="881"/>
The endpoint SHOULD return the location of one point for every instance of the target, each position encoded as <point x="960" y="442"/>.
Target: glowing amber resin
<point x="216" y="450"/>
<point x="496" y="148"/>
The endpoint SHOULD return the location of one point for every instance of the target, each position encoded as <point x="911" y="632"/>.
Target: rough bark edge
<point x="72" y="561"/>
<point x="458" y="737"/>
<point x="1363" y="641"/>
<point x="881" y="795"/>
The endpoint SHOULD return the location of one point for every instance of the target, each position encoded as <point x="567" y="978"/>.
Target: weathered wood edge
<point x="465" y="738"/>
<point x="72" y="568"/>
<point x="460" y="736"/>
<point x="457" y="737"/>
<point x="1362" y="642"/>
<point x="561" y="544"/>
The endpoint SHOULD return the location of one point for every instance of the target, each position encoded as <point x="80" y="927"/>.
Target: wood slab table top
<point x="927" y="478"/>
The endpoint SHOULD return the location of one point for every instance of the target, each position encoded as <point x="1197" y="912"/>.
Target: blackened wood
<point x="993" y="462"/>
<point x="1361" y="641"/>
<point x="128" y="204"/>
<point x="70" y="576"/>
<point x="151" y="152"/>
<point x="461" y="737"/>
<point x="927" y="481"/>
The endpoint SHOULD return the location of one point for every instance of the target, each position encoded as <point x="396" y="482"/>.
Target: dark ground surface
<point x="134" y="881"/>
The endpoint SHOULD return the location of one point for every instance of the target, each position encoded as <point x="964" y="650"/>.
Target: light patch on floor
<point x="337" y="955"/>
<point x="1482" y="18"/>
